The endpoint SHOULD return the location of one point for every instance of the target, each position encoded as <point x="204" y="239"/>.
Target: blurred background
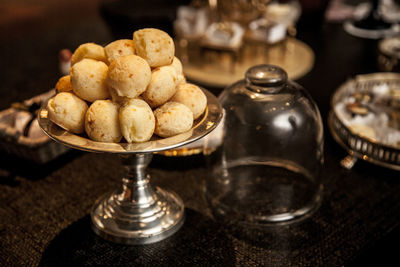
<point x="33" y="33"/>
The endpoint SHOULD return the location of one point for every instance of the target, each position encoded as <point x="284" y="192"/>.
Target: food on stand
<point x="172" y="118"/>
<point x="88" y="50"/>
<point x="177" y="65"/>
<point x="102" y="122"/>
<point x="162" y="86"/>
<point x="191" y="96"/>
<point x="64" y="84"/>
<point x="137" y="121"/>
<point x="88" y="80"/>
<point x="68" y="111"/>
<point x="128" y="76"/>
<point x="155" y="46"/>
<point x="121" y="84"/>
<point x="119" y="48"/>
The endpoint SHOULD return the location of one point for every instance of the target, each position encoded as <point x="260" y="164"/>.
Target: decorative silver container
<point x="12" y="140"/>
<point x="358" y="144"/>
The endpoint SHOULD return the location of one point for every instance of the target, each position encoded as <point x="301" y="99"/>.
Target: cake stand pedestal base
<point x="137" y="214"/>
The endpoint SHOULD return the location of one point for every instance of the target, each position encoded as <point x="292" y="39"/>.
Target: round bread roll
<point x="119" y="48"/>
<point x="88" y="79"/>
<point x="172" y="118"/>
<point x="64" y="84"/>
<point x="128" y="76"/>
<point x="177" y="65"/>
<point x="67" y="111"/>
<point x="162" y="86"/>
<point x="88" y="50"/>
<point x="191" y="96"/>
<point x="102" y="123"/>
<point x="120" y="100"/>
<point x="155" y="46"/>
<point x="180" y="79"/>
<point x="137" y="121"/>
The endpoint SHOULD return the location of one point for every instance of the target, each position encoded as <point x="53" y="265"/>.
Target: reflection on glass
<point x="266" y="171"/>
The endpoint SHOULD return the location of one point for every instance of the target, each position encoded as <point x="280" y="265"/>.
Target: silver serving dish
<point x="389" y="54"/>
<point x="201" y="126"/>
<point x="357" y="144"/>
<point x="17" y="139"/>
<point x="137" y="213"/>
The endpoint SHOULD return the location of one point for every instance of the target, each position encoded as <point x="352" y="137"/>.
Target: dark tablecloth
<point x="44" y="209"/>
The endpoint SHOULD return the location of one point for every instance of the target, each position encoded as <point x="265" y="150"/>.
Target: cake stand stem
<point x="136" y="188"/>
<point x="136" y="213"/>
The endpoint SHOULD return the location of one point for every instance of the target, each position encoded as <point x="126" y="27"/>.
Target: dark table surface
<point x="44" y="208"/>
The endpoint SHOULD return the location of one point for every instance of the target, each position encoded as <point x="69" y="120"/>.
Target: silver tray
<point x="39" y="149"/>
<point x="202" y="126"/>
<point x="358" y="146"/>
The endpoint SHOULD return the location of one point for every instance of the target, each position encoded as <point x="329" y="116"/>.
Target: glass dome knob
<point x="265" y="78"/>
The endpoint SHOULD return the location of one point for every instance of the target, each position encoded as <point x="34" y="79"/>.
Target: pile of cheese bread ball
<point x="128" y="89"/>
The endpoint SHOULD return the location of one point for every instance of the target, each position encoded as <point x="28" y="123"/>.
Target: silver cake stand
<point x="137" y="213"/>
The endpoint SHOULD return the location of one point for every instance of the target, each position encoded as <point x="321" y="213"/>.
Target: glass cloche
<point x="266" y="169"/>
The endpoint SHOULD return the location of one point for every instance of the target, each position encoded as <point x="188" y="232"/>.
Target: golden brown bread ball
<point x="177" y="65"/>
<point x="102" y="122"/>
<point x="155" y="46"/>
<point x="128" y="76"/>
<point x="120" y="100"/>
<point x="162" y="86"/>
<point x="119" y="48"/>
<point x="172" y="118"/>
<point x="67" y="111"/>
<point x="88" y="79"/>
<point x="137" y="121"/>
<point x="88" y="50"/>
<point x="64" y="84"/>
<point x="180" y="79"/>
<point x="191" y="96"/>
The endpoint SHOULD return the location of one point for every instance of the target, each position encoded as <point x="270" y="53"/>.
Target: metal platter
<point x="201" y="127"/>
<point x="358" y="145"/>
